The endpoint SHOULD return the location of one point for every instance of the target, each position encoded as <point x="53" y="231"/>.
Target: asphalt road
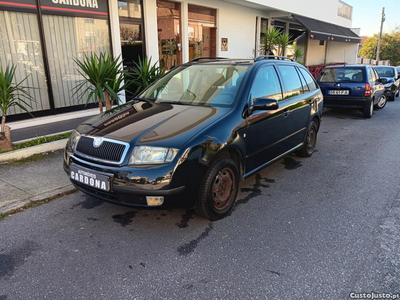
<point x="317" y="228"/>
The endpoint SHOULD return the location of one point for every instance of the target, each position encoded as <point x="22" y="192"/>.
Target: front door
<point x="132" y="47"/>
<point x="266" y="128"/>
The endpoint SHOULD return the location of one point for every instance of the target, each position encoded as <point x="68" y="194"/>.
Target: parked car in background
<point x="392" y="84"/>
<point x="352" y="86"/>
<point x="195" y="132"/>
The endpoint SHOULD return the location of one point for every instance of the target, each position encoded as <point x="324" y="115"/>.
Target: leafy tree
<point x="390" y="48"/>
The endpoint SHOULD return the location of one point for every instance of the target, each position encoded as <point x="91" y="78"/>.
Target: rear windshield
<point x="341" y="75"/>
<point x="385" y="72"/>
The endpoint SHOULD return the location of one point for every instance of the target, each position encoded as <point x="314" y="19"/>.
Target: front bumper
<point x="345" y="101"/>
<point x="130" y="185"/>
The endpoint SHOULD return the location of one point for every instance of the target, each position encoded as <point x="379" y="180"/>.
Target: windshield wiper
<point x="173" y="102"/>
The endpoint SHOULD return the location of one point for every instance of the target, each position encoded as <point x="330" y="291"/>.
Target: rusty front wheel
<point x="219" y="189"/>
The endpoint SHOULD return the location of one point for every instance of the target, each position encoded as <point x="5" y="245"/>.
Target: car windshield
<point x="341" y="75"/>
<point x="385" y="72"/>
<point x="203" y="85"/>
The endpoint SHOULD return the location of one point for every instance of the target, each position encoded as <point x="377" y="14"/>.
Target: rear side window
<point x="291" y="81"/>
<point x="385" y="71"/>
<point x="372" y="76"/>
<point x="341" y="75"/>
<point x="266" y="84"/>
<point x="309" y="79"/>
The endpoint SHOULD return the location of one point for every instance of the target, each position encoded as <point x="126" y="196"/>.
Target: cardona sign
<point x="79" y="3"/>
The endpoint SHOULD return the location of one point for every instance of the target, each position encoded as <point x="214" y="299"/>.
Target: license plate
<point x="338" y="92"/>
<point x="89" y="177"/>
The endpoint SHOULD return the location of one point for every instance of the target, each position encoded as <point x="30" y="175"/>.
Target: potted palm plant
<point x="269" y="40"/>
<point x="11" y="95"/>
<point x="103" y="79"/>
<point x="145" y="73"/>
<point x="283" y="41"/>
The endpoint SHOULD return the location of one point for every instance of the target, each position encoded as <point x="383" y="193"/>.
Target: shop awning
<point x="319" y="30"/>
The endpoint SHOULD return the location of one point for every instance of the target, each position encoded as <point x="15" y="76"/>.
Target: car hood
<point x="149" y="123"/>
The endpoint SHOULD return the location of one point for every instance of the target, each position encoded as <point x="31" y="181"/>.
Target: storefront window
<point x="68" y="38"/>
<point x="169" y="38"/>
<point x="130" y="9"/>
<point x="204" y="35"/>
<point x="20" y="45"/>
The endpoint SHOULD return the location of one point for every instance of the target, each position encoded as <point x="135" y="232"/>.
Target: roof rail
<point x="262" y="57"/>
<point x="201" y="58"/>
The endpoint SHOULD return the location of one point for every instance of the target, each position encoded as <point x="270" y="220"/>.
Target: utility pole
<point x="378" y="50"/>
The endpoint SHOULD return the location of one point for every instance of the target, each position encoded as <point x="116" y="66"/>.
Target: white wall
<point x="315" y="53"/>
<point x="235" y="22"/>
<point x="342" y="52"/>
<point x="324" y="10"/>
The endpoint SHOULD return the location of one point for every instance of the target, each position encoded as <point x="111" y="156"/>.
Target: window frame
<point x="284" y="91"/>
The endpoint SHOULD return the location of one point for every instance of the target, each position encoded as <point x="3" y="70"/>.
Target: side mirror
<point x="383" y="80"/>
<point x="265" y="104"/>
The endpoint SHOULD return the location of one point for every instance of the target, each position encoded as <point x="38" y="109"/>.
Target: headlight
<point x="388" y="85"/>
<point x="74" y="138"/>
<point x="144" y="155"/>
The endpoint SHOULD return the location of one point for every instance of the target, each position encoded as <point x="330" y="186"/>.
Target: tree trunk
<point x="108" y="102"/>
<point x="101" y="105"/>
<point x="5" y="139"/>
<point x="3" y="123"/>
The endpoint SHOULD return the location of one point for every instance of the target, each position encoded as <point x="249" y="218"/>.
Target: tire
<point x="381" y="102"/>
<point x="310" y="141"/>
<point x="368" y="109"/>
<point x="392" y="98"/>
<point x="218" y="190"/>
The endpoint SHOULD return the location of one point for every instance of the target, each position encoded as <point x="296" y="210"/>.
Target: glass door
<point x="132" y="37"/>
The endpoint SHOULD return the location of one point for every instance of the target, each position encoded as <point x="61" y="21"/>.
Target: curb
<point x="27" y="152"/>
<point x="13" y="207"/>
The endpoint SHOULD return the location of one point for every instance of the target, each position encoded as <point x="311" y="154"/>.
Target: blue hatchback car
<point x="352" y="86"/>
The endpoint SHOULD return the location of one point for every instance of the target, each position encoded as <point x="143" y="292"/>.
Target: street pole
<point x="380" y="36"/>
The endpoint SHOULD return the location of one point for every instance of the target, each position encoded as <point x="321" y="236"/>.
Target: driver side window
<point x="266" y="84"/>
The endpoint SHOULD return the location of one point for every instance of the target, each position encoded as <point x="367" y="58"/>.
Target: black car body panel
<point x="253" y="139"/>
<point x="391" y="74"/>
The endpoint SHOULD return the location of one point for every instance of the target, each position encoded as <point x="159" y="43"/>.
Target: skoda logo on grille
<point x="97" y="142"/>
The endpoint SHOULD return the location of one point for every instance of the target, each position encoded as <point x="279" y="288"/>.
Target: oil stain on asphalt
<point x="125" y="219"/>
<point x="10" y="261"/>
<point x="189" y="248"/>
<point x="291" y="164"/>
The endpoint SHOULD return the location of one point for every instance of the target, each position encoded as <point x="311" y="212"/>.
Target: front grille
<point x="108" y="151"/>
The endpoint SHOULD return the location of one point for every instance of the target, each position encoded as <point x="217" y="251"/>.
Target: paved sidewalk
<point x="45" y="129"/>
<point x="26" y="182"/>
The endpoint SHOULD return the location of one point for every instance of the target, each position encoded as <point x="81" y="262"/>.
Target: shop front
<point x="42" y="39"/>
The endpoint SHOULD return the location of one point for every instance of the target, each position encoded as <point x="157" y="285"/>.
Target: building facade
<point x="44" y="37"/>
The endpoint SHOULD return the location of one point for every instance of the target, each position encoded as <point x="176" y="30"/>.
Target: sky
<point x="367" y="15"/>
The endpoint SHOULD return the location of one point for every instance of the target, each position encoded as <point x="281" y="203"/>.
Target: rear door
<point x="297" y="105"/>
<point x="342" y="82"/>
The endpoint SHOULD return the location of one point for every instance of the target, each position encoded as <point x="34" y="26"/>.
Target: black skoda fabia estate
<point x="190" y="137"/>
